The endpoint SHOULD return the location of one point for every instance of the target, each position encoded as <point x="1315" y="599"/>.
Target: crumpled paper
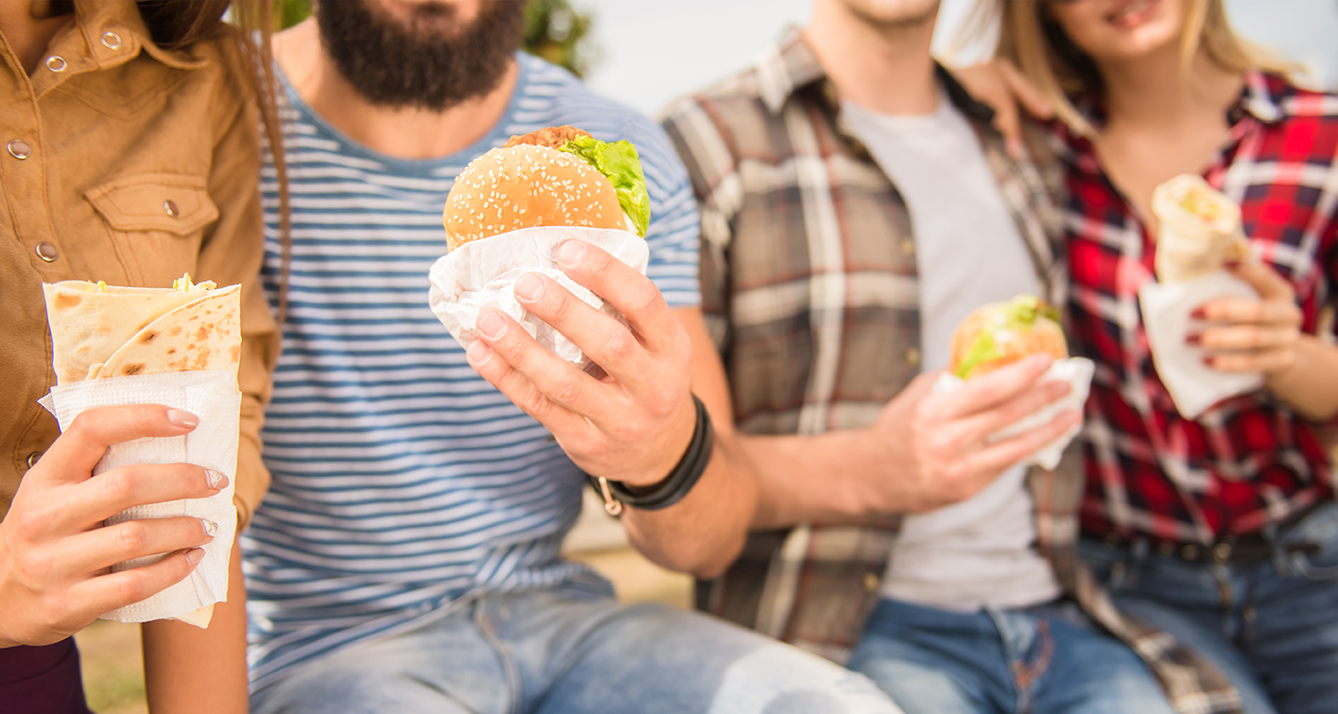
<point x="214" y="398"/>
<point x="1193" y="385"/>
<point x="1077" y="371"/>
<point x="482" y="274"/>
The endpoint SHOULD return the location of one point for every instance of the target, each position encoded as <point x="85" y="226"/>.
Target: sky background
<point x="652" y="51"/>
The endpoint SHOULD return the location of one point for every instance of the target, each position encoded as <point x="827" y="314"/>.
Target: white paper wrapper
<point x="1077" y="371"/>
<point x="483" y="274"/>
<point x="1193" y="385"/>
<point x="214" y="398"/>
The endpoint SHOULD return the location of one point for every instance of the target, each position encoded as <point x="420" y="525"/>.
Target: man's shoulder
<point x="725" y="106"/>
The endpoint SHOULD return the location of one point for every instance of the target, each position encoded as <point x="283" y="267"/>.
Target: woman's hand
<point x="635" y="423"/>
<point x="55" y="554"/>
<point x="1000" y="85"/>
<point x="1252" y="335"/>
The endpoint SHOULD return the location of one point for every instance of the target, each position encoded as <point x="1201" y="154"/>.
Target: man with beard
<point x="406" y="558"/>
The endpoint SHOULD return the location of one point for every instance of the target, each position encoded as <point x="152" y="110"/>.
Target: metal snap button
<point x="908" y="247"/>
<point x="170" y="207"/>
<point x="47" y="252"/>
<point x="33" y="458"/>
<point x="19" y="149"/>
<point x="912" y="357"/>
<point x="111" y="40"/>
<point x="55" y="63"/>
<point x="1222" y="552"/>
<point x="870" y="582"/>
<point x="1189" y="551"/>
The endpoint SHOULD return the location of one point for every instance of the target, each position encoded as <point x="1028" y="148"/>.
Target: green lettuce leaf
<point x="983" y="349"/>
<point x="1020" y="313"/>
<point x="620" y="163"/>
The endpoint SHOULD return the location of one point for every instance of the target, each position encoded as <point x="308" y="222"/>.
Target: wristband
<point x="676" y="485"/>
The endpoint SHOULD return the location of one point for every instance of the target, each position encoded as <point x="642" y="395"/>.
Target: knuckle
<point x="133" y="535"/>
<point x="620" y="345"/>
<point x="566" y="391"/>
<point x="119" y="484"/>
<point x="133" y="585"/>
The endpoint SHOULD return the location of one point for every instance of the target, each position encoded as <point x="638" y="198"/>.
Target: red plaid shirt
<point x="1249" y="460"/>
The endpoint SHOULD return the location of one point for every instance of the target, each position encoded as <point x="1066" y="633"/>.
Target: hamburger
<point x="558" y="176"/>
<point x="1001" y="333"/>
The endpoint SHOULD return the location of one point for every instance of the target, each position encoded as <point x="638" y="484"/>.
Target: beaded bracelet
<point x="676" y="485"/>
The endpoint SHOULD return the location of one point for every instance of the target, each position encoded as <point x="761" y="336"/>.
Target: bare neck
<point x="28" y="28"/>
<point x="887" y="69"/>
<point x="404" y="133"/>
<point x="1154" y="91"/>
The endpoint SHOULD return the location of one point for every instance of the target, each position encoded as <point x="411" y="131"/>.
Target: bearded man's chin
<point x="433" y="64"/>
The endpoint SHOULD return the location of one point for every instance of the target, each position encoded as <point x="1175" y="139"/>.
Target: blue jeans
<point x="559" y="652"/>
<point x="1044" y="659"/>
<point x="1272" y="627"/>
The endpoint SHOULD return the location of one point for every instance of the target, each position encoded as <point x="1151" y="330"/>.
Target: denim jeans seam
<point x="515" y="685"/>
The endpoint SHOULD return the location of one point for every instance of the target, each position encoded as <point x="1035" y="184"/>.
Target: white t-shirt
<point x="980" y="552"/>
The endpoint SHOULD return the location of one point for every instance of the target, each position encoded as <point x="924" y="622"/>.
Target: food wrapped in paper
<point x="1002" y="333"/>
<point x="179" y="347"/>
<point x="1199" y="232"/>
<point x="512" y="207"/>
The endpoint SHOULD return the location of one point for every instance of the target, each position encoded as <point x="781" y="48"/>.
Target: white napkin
<point x="483" y="273"/>
<point x="1193" y="385"/>
<point x="214" y="398"/>
<point x="1077" y="371"/>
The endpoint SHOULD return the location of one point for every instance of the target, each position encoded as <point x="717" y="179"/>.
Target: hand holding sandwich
<point x="633" y="424"/>
<point x="55" y="556"/>
<point x="934" y="446"/>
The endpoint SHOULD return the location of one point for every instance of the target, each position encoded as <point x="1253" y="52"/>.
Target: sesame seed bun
<point x="1012" y="341"/>
<point x="526" y="186"/>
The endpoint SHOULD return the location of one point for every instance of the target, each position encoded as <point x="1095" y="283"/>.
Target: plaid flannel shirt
<point x="1249" y="460"/>
<point x="809" y="286"/>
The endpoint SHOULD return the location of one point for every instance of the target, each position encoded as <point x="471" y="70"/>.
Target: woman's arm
<point x="187" y="669"/>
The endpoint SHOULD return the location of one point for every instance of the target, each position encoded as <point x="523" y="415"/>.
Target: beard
<point x="433" y="61"/>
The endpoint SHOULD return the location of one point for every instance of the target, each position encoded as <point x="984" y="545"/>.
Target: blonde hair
<point x="1062" y="72"/>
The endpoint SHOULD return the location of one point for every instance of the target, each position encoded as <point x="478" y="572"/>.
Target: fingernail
<point x="210" y="527"/>
<point x="1208" y="361"/>
<point x="194" y="555"/>
<point x="1231" y="264"/>
<point x="1199" y="313"/>
<point x="492" y="325"/>
<point x="478" y="353"/>
<point x="182" y="418"/>
<point x="529" y="287"/>
<point x="1193" y="339"/>
<point x="215" y="479"/>
<point x="570" y="252"/>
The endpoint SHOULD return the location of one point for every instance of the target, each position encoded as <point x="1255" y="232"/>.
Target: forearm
<point x="705" y="532"/>
<point x="187" y="669"/>
<point x="807" y="479"/>
<point x="1310" y="385"/>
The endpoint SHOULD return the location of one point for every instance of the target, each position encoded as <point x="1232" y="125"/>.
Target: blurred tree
<point x="553" y="30"/>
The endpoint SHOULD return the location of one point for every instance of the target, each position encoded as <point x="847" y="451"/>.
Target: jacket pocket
<point x="157" y="222"/>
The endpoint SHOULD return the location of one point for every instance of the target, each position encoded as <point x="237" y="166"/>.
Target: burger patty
<point x="552" y="137"/>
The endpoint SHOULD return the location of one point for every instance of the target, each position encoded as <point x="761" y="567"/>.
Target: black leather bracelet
<point x="676" y="485"/>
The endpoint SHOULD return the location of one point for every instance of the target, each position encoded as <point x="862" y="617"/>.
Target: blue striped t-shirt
<point x="402" y="481"/>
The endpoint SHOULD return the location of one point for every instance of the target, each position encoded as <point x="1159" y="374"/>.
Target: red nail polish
<point x="1194" y="339"/>
<point x="1199" y="314"/>
<point x="1208" y="361"/>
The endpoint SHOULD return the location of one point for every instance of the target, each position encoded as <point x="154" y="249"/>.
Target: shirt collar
<point x="1260" y="97"/>
<point x="113" y="33"/>
<point x="791" y="65"/>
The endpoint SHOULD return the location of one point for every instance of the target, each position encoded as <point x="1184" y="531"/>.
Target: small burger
<point x="559" y="176"/>
<point x="1004" y="332"/>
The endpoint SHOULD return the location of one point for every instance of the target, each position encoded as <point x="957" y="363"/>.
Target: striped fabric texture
<point x="402" y="481"/>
